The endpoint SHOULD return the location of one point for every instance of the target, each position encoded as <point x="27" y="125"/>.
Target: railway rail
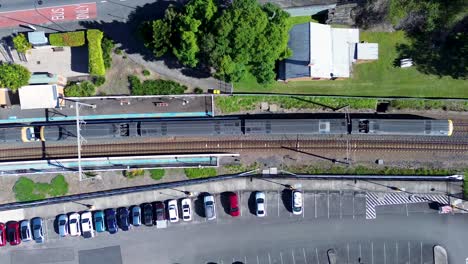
<point x="460" y="128"/>
<point x="233" y="145"/>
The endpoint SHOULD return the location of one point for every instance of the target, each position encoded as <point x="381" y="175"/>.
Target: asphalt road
<point x="396" y="236"/>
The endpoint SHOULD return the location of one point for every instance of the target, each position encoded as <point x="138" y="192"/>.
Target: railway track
<point x="233" y="145"/>
<point x="460" y="128"/>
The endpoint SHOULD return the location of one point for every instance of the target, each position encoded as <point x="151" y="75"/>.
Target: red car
<point x="2" y="235"/>
<point x="13" y="233"/>
<point x="234" y="205"/>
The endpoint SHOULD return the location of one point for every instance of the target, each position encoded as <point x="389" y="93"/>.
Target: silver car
<point x="38" y="231"/>
<point x="63" y="225"/>
<point x="25" y="231"/>
<point x="210" y="207"/>
<point x="136" y="215"/>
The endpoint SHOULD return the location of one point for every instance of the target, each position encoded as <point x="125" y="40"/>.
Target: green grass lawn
<point x="379" y="78"/>
<point x="26" y="189"/>
<point x="194" y="173"/>
<point x="300" y="19"/>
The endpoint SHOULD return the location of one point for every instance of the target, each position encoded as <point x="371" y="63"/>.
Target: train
<point x="230" y="127"/>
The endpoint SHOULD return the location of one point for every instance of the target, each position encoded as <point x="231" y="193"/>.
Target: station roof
<point x="39" y="96"/>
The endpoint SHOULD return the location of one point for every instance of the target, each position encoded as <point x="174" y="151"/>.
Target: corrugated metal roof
<point x="296" y="66"/>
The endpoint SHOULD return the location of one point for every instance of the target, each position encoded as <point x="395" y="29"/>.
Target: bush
<point x="99" y="80"/>
<point x="198" y="90"/>
<point x="157" y="174"/>
<point x="13" y="76"/>
<point x="96" y="60"/>
<point x="107" y="46"/>
<point x="194" y="173"/>
<point x="21" y="44"/>
<point x="131" y="174"/>
<point x="83" y="89"/>
<point x="154" y="87"/>
<point x="118" y="51"/>
<point x="68" y="39"/>
<point x="26" y="189"/>
<point x="58" y="186"/>
<point x="146" y="73"/>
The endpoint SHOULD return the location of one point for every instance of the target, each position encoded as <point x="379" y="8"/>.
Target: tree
<point x="161" y="37"/>
<point x="21" y="44"/>
<point x="83" y="89"/>
<point x="188" y="49"/>
<point x="13" y="76"/>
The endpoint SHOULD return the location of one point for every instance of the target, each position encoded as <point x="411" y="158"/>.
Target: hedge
<point x="154" y="87"/>
<point x="69" y="39"/>
<point x="96" y="60"/>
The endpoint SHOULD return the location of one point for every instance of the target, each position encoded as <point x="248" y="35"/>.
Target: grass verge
<point x="379" y="78"/>
<point x="195" y="173"/>
<point x="362" y="170"/>
<point x="26" y="189"/>
<point x="465" y="185"/>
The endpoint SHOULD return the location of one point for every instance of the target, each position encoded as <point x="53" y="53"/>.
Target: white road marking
<point x="278" y="202"/>
<point x="341" y="196"/>
<point x="269" y="258"/>
<point x="281" y="257"/>
<point x="258" y="262"/>
<point x="347" y="246"/>
<point x="315" y="202"/>
<point x="360" y="251"/>
<point x="409" y="252"/>
<point x="407" y="213"/>
<point x="353" y="206"/>
<point x="421" y="253"/>
<point x="316" y="254"/>
<point x="385" y="254"/>
<point x="240" y="202"/>
<point x="303" y="202"/>
<point x="292" y="253"/>
<point x="396" y="246"/>
<point x="103" y="1"/>
<point x="305" y="257"/>
<point x="245" y="258"/>
<point x="328" y="204"/>
<point x="372" y="251"/>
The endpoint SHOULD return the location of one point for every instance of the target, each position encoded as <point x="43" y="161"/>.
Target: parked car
<point x="3" y="239"/>
<point x="87" y="224"/>
<point x="62" y="223"/>
<point x="99" y="221"/>
<point x="296" y="202"/>
<point x="111" y="221"/>
<point x="173" y="211"/>
<point x="25" y="231"/>
<point x="123" y="218"/>
<point x="136" y="215"/>
<point x="186" y="204"/>
<point x="160" y="211"/>
<point x="210" y="209"/>
<point x="13" y="233"/>
<point x="147" y="214"/>
<point x="74" y="224"/>
<point x="234" y="205"/>
<point x="260" y="204"/>
<point x="38" y="230"/>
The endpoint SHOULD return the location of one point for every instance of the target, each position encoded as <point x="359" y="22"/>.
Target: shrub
<point x="193" y="173"/>
<point x="198" y="90"/>
<point x="155" y="87"/>
<point x="146" y="73"/>
<point x="21" y="44"/>
<point x="157" y="174"/>
<point x="99" y="80"/>
<point x="69" y="39"/>
<point x="26" y="189"/>
<point x="83" y="89"/>
<point x="118" y="51"/>
<point x="134" y="173"/>
<point x="96" y="60"/>
<point x="13" y="76"/>
<point x="107" y="46"/>
<point x="58" y="186"/>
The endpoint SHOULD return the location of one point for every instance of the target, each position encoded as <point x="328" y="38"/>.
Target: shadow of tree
<point x="128" y="34"/>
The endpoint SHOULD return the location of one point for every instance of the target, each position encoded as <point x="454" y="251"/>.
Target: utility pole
<point x="79" y="139"/>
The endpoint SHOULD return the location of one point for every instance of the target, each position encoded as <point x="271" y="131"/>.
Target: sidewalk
<point x="239" y="184"/>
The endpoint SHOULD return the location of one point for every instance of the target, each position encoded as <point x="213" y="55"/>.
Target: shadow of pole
<point x="315" y="155"/>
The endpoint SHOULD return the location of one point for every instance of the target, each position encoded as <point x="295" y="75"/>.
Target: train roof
<point x="295" y="126"/>
<point x="405" y="126"/>
<point x="10" y="134"/>
<point x="191" y="128"/>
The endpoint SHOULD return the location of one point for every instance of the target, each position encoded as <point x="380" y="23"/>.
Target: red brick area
<point x="46" y="15"/>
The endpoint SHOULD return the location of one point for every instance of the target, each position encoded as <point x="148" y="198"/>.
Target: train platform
<point x="115" y="107"/>
<point x="111" y="163"/>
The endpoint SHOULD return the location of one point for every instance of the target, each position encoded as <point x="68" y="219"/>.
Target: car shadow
<point x="286" y="197"/>
<point x="56" y="229"/>
<point x="252" y="204"/>
<point x="199" y="207"/>
<point x="224" y="198"/>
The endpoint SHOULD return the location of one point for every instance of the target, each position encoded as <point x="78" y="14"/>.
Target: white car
<point x="74" y="224"/>
<point x="173" y="211"/>
<point x="186" y="209"/>
<point x="87" y="224"/>
<point x="296" y="202"/>
<point x="210" y="207"/>
<point x="260" y="202"/>
<point x="25" y="231"/>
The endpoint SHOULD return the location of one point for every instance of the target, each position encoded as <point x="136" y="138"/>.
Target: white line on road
<point x="104" y="1"/>
<point x="328" y="204"/>
<point x="258" y="262"/>
<point x="305" y="257"/>
<point x="372" y="251"/>
<point x="281" y="257"/>
<point x="421" y="253"/>
<point x="316" y="254"/>
<point x="240" y="202"/>
<point x="406" y="205"/>
<point x="384" y="254"/>
<point x="353" y="205"/>
<point x="396" y="246"/>
<point x="269" y="258"/>
<point x="278" y="201"/>
<point x="245" y="258"/>
<point x="347" y="246"/>
<point x="409" y="253"/>
<point x="292" y="253"/>
<point x="303" y="202"/>
<point x="315" y="202"/>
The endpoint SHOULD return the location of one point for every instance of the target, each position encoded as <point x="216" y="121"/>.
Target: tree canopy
<point x="21" y="44"/>
<point x="242" y="37"/>
<point x="13" y="76"/>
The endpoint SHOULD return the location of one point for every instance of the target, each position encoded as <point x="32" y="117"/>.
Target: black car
<point x="111" y="221"/>
<point x="147" y="214"/>
<point x="123" y="218"/>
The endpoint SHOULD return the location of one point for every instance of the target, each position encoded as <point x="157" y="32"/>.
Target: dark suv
<point x="147" y="214"/>
<point x="124" y="218"/>
<point x="111" y="221"/>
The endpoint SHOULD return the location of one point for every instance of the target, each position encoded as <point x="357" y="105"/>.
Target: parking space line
<point x="292" y="253"/>
<point x="421" y="252"/>
<point x="278" y="202"/>
<point x="281" y="257"/>
<point x="315" y="202"/>
<point x="245" y="259"/>
<point x="316" y="254"/>
<point x="240" y="202"/>
<point x="396" y="247"/>
<point x="354" y="194"/>
<point x="385" y="254"/>
<point x="328" y="204"/>
<point x="409" y="252"/>
<point x="303" y="202"/>
<point x="341" y="201"/>
<point x="406" y="205"/>
<point x="372" y="252"/>
<point x="269" y="258"/>
<point x="258" y="262"/>
<point x="347" y="246"/>
<point x="360" y="251"/>
<point x="305" y="257"/>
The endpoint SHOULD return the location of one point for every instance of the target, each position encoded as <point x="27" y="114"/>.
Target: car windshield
<point x="73" y="221"/>
<point x="98" y="219"/>
<point x="209" y="203"/>
<point x="84" y="220"/>
<point x="296" y="209"/>
<point x="235" y="209"/>
<point x="185" y="206"/>
<point x="23" y="231"/>
<point x="260" y="212"/>
<point x="62" y="222"/>
<point x="136" y="214"/>
<point x="36" y="227"/>
<point x="260" y="200"/>
<point x="11" y="235"/>
<point x="186" y="217"/>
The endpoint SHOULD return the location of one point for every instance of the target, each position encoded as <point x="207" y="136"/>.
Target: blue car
<point x="123" y="218"/>
<point x="111" y="221"/>
<point x="99" y="221"/>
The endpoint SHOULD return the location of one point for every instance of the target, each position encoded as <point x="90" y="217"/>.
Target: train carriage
<point x="402" y="127"/>
<point x="191" y="128"/>
<point x="296" y="126"/>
